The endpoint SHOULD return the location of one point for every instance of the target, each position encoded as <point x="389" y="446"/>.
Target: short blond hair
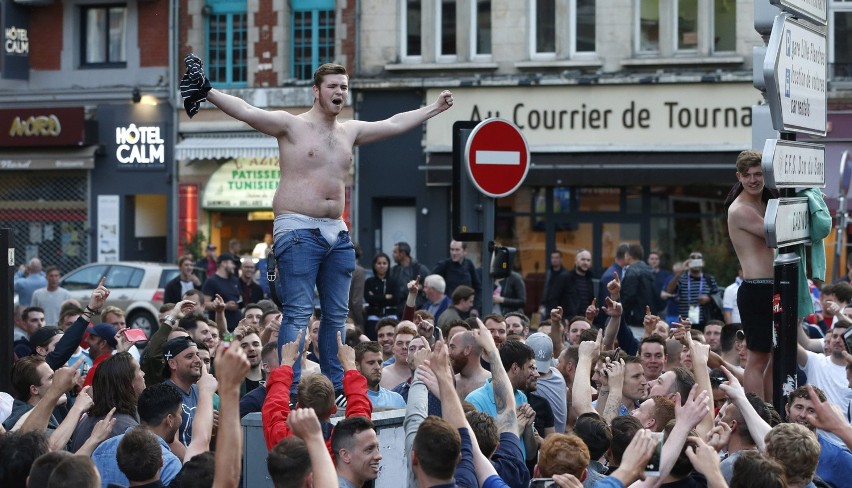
<point x="795" y="448"/>
<point x="112" y="309"/>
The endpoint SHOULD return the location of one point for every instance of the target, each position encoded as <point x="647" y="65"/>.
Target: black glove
<point x="194" y="85"/>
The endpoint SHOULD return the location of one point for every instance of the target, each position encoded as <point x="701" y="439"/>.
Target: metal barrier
<point x="393" y="473"/>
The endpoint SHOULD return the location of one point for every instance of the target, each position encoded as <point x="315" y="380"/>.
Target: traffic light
<point x="501" y="261"/>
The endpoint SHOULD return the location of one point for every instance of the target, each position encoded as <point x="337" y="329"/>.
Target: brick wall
<point x="266" y="48"/>
<point x="154" y="33"/>
<point x="46" y="37"/>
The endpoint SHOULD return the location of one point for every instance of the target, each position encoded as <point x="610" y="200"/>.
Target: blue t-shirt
<point x="385" y="399"/>
<point x="835" y="462"/>
<point x="483" y="399"/>
<point x="107" y="464"/>
<point x="188" y="406"/>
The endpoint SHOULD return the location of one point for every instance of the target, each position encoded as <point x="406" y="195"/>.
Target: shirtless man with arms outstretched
<point x="312" y="242"/>
<point x="754" y="299"/>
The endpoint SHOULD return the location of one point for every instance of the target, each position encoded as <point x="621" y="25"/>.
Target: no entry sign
<point x="497" y="157"/>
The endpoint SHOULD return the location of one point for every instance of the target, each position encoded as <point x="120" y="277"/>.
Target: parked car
<point x="135" y="287"/>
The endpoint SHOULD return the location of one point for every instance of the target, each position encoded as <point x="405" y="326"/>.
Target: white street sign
<point x="795" y="72"/>
<point x="788" y="164"/>
<point x="814" y="10"/>
<point x="787" y="222"/>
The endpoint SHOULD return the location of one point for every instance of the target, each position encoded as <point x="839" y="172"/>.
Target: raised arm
<point x="231" y="366"/>
<point x="700" y="353"/>
<point x="367" y="132"/>
<point x="614" y="312"/>
<point x="63" y="381"/>
<point x="59" y="437"/>
<point x="556" y="329"/>
<point x="202" y="423"/>
<point x="581" y="397"/>
<point x="273" y="123"/>
<point x="304" y="424"/>
<point x="73" y="335"/>
<point x="504" y="397"/>
<point x="756" y="425"/>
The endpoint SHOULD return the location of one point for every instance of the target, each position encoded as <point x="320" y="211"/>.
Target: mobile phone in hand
<point x="135" y="335"/>
<point x="653" y="466"/>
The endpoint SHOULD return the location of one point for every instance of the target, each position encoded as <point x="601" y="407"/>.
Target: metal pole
<point x="785" y="307"/>
<point x="487" y="248"/>
<point x="7" y="303"/>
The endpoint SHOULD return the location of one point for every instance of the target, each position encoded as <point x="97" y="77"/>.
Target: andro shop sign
<point x="242" y="184"/>
<point x="676" y="117"/>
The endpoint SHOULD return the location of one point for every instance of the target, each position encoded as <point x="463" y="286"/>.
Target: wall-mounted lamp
<point x="136" y="95"/>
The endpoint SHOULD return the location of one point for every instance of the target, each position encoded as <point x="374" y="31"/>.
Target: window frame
<point x="835" y="7"/>
<point x="229" y="8"/>
<point x="535" y="55"/>
<point x="675" y="31"/>
<point x="85" y="29"/>
<point x="475" y="55"/>
<point x="403" y="30"/>
<point x="315" y="8"/>
<point x="439" y="33"/>
<point x="573" y="29"/>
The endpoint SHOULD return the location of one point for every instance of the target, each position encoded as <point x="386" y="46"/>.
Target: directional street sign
<point x="788" y="164"/>
<point x="787" y="222"/>
<point x="795" y="72"/>
<point x="497" y="157"/>
<point x="815" y="11"/>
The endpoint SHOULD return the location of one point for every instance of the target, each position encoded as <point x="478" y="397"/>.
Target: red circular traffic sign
<point x="497" y="157"/>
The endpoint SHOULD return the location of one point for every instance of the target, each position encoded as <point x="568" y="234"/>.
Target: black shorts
<point x="754" y="300"/>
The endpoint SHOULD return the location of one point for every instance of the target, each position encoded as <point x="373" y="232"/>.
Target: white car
<point x="135" y="287"/>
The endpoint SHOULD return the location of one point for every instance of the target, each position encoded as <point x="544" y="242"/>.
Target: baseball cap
<point x="542" y="346"/>
<point x="105" y="332"/>
<point x="43" y="335"/>
<point x="176" y="346"/>
<point x="211" y="247"/>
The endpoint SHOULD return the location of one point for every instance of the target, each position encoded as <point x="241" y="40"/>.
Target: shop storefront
<point x="638" y="163"/>
<point x="45" y="159"/>
<point x="131" y="198"/>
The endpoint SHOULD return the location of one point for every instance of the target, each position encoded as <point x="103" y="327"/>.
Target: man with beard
<point x="225" y="284"/>
<point x="577" y="287"/>
<point x="183" y="370"/>
<point x="249" y="340"/>
<point x="464" y="354"/>
<point x="368" y="360"/>
<point x="519" y="361"/>
<point x="199" y="330"/>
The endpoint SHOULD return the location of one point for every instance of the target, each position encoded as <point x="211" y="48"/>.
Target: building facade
<point x="87" y="130"/>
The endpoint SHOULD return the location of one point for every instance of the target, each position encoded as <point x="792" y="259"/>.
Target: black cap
<point x="176" y="346"/>
<point x="43" y="335"/>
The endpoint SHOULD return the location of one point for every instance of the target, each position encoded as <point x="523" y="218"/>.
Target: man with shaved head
<point x="464" y="357"/>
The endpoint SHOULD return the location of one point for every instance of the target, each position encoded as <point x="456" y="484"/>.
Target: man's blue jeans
<point x="306" y="259"/>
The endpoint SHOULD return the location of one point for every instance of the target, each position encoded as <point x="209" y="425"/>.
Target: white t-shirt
<point x="729" y="300"/>
<point x="829" y="377"/>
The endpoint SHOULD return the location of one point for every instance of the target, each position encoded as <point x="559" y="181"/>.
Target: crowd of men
<point x="490" y="399"/>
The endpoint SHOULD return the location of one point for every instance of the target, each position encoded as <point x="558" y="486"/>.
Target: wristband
<point x="93" y="312"/>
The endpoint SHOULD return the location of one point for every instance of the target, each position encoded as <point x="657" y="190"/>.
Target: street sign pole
<point x="497" y="159"/>
<point x="487" y="248"/>
<point x="794" y="77"/>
